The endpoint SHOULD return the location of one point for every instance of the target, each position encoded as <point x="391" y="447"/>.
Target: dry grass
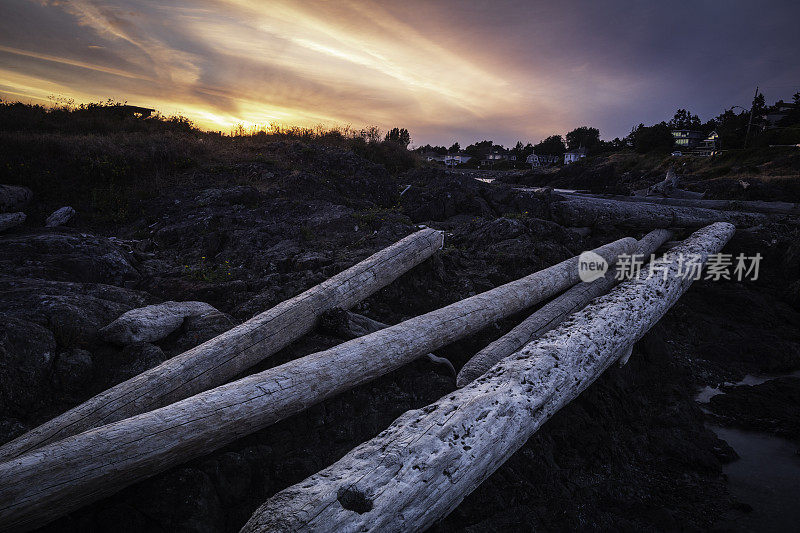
<point x="102" y="163"/>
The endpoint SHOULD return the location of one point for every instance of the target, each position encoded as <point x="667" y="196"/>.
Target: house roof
<point x="577" y="151"/>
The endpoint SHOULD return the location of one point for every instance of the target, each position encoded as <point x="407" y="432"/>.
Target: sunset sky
<point x="466" y="71"/>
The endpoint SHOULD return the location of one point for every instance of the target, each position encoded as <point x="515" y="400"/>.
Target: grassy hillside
<point x="101" y="162"/>
<point x="755" y="174"/>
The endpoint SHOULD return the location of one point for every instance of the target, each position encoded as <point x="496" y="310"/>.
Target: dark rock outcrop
<point x="27" y="351"/>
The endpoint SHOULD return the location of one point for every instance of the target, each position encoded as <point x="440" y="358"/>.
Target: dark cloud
<point x="504" y="70"/>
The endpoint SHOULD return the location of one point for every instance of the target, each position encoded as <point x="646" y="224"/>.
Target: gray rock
<point x="74" y="312"/>
<point x="200" y="328"/>
<point x="60" y="217"/>
<point x="65" y="255"/>
<point x="14" y="197"/>
<point x="26" y="357"/>
<point x="10" y="220"/>
<point x="138" y="358"/>
<point x="152" y="323"/>
<point x="73" y="369"/>
<point x="231" y="475"/>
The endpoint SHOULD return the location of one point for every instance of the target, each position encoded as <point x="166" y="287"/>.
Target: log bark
<point x="228" y="355"/>
<point x="587" y="211"/>
<point x="428" y="460"/>
<point x="349" y="325"/>
<point x="57" y="478"/>
<point x="552" y="314"/>
<point x="746" y="206"/>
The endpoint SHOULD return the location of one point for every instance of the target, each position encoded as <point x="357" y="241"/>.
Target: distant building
<point x="497" y="154"/>
<point x="687" y="138"/>
<point x="125" y="111"/>
<point x="542" y="160"/>
<point x="433" y="156"/>
<point x="459" y="158"/>
<point x="574" y="155"/>
<point x="708" y="146"/>
<point x="782" y="109"/>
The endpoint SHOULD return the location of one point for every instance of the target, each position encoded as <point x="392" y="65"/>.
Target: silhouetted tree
<point x="399" y="136"/>
<point x="553" y="145"/>
<point x="455" y="148"/>
<point x="585" y="137"/>
<point x="479" y="149"/>
<point x="648" y="139"/>
<point x="684" y="120"/>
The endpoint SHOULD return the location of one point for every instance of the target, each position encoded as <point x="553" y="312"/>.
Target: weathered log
<point x="746" y="206"/>
<point x="10" y="220"/>
<point x="349" y="325"/>
<point x="59" y="477"/>
<point x="552" y="314"/>
<point x="429" y="459"/>
<point x="228" y="355"/>
<point x="587" y="211"/>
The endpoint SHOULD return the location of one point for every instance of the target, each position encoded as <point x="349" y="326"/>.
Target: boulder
<point x="14" y="197"/>
<point x="66" y="255"/>
<point x="73" y="369"/>
<point x="138" y="358"/>
<point x="60" y="217"/>
<point x="74" y="312"/>
<point x="199" y="328"/>
<point x="26" y="356"/>
<point x="153" y="322"/>
<point x="10" y="220"/>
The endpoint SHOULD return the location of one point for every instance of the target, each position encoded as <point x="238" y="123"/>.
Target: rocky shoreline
<point x="633" y="451"/>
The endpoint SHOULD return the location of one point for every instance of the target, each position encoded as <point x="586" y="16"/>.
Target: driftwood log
<point x="588" y="211"/>
<point x="746" y="206"/>
<point x="668" y="188"/>
<point x="59" y="477"/>
<point x="552" y="314"/>
<point x="349" y="325"/>
<point x="228" y="355"/>
<point x="429" y="459"/>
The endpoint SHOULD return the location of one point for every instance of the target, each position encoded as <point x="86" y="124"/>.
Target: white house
<point x="433" y="156"/>
<point x="574" y="155"/>
<point x="456" y="159"/>
<point x="541" y="160"/>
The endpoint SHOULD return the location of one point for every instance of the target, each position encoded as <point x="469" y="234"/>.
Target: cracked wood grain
<point x="552" y="314"/>
<point x="229" y="354"/>
<point x="57" y="478"/>
<point x="421" y="467"/>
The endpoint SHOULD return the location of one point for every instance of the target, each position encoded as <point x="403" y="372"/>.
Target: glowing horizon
<point x="446" y="71"/>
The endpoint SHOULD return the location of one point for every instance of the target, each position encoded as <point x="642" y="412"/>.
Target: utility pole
<point x="750" y="120"/>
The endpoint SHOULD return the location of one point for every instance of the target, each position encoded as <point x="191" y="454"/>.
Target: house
<point x="125" y="111"/>
<point x="542" y="160"/>
<point x="456" y="159"/>
<point x="574" y="155"/>
<point x="497" y="154"/>
<point x="433" y="156"/>
<point x="687" y="138"/>
<point x="708" y="146"/>
<point x="782" y="109"/>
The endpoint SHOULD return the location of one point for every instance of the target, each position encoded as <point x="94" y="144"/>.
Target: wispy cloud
<point x="505" y="70"/>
